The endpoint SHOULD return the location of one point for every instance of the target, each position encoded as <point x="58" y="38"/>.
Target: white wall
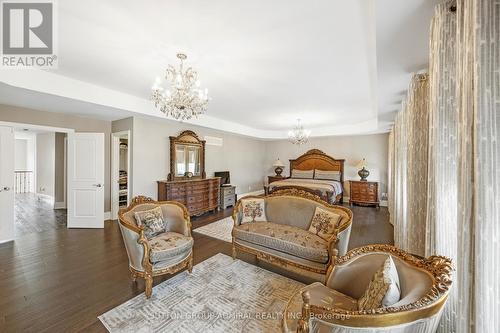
<point x="45" y="162"/>
<point x="21" y="153"/>
<point x="79" y="124"/>
<point x="243" y="157"/>
<point x="25" y="152"/>
<point x="351" y="148"/>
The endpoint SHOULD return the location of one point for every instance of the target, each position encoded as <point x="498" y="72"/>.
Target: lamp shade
<point x="362" y="164"/>
<point x="278" y="163"/>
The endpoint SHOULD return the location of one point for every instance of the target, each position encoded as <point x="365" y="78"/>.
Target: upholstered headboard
<point x="316" y="159"/>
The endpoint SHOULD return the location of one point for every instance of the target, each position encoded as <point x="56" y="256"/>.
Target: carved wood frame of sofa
<point x="138" y="247"/>
<point x="425" y="284"/>
<point x="308" y="202"/>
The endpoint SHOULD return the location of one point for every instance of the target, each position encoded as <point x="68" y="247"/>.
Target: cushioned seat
<point x="284" y="238"/>
<point x="166" y="253"/>
<point x="332" y="307"/>
<point x="168" y="245"/>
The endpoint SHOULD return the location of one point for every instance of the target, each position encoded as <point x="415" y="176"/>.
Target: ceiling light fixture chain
<point x="299" y="135"/>
<point x="185" y="99"/>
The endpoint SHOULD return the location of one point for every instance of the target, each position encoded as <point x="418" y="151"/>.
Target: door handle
<point x="6" y="188"/>
<point x="98" y="185"/>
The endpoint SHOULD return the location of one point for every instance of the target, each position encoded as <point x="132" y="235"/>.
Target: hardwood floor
<point x="60" y="280"/>
<point x="35" y="213"/>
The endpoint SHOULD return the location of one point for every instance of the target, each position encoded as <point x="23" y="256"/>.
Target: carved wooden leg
<point x="234" y="252"/>
<point x="190" y="264"/>
<point x="133" y="276"/>
<point x="149" y="285"/>
<point x="303" y="324"/>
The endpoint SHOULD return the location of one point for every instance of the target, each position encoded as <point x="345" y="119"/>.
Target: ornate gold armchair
<point x="284" y="241"/>
<point x="166" y="253"/>
<point x="424" y="282"/>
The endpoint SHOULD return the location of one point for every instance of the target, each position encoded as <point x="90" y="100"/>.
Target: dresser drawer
<point x="364" y="192"/>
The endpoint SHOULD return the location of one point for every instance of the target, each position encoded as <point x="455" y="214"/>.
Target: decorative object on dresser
<point x="187" y="154"/>
<point x="278" y="167"/>
<point x="314" y="172"/>
<point x="186" y="99"/>
<point x="227" y="196"/>
<point x="363" y="193"/>
<point x="363" y="173"/>
<point x="186" y="181"/>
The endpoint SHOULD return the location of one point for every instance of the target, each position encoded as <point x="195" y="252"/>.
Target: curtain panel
<point x="478" y="77"/>
<point x="462" y="178"/>
<point x="409" y="199"/>
<point x="442" y="204"/>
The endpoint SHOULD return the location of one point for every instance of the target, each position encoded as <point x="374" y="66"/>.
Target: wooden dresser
<point x="364" y="193"/>
<point x="198" y="195"/>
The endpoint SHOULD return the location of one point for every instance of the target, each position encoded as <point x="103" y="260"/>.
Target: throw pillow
<point x="324" y="223"/>
<point x="254" y="210"/>
<point x="384" y="289"/>
<point x="327" y="175"/>
<point x="152" y="220"/>
<point x="308" y="174"/>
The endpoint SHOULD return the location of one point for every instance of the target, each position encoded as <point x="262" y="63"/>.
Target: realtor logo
<point x="28" y="34"/>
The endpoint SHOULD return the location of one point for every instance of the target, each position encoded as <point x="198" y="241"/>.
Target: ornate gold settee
<point x="424" y="286"/>
<point x="283" y="240"/>
<point x="165" y="253"/>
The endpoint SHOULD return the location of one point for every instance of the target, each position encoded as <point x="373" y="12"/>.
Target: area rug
<point x="221" y="295"/>
<point x="220" y="229"/>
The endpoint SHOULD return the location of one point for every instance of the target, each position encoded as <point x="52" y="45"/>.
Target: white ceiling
<point x="341" y="66"/>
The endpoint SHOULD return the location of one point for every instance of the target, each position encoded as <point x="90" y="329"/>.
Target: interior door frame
<point x="115" y="166"/>
<point x="35" y="127"/>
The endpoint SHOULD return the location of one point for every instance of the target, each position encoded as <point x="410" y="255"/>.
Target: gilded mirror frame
<point x="186" y="138"/>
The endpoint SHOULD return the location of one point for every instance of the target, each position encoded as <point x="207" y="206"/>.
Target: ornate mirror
<point x="187" y="157"/>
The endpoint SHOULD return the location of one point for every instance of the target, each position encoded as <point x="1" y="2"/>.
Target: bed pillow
<point x="307" y="174"/>
<point x="324" y="223"/>
<point x="253" y="210"/>
<point x="384" y="289"/>
<point x="327" y="175"/>
<point x="152" y="220"/>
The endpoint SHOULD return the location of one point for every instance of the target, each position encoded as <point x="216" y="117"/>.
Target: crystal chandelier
<point x="298" y="135"/>
<point x="185" y="99"/>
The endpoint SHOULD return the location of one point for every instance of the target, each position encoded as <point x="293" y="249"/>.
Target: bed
<point x="319" y="163"/>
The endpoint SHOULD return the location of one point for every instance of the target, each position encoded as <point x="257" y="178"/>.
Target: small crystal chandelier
<point x="185" y="99"/>
<point x="299" y="135"/>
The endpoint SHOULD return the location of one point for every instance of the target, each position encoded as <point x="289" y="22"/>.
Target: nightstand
<point x="227" y="196"/>
<point x="363" y="193"/>
<point x="271" y="179"/>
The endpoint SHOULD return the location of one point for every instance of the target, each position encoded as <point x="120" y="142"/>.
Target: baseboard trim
<point x="383" y="203"/>
<point x="107" y="216"/>
<point x="242" y="195"/>
<point x="6" y="240"/>
<point x="60" y="205"/>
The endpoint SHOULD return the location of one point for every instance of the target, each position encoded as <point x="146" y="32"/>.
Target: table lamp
<point x="363" y="173"/>
<point x="278" y="167"/>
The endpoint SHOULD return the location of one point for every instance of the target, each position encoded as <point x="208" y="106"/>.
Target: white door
<point x="7" y="143"/>
<point x="85" y="180"/>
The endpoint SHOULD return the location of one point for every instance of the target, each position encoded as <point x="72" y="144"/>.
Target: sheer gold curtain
<point x="442" y="204"/>
<point x="408" y="200"/>
<point x="478" y="77"/>
<point x="462" y="211"/>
